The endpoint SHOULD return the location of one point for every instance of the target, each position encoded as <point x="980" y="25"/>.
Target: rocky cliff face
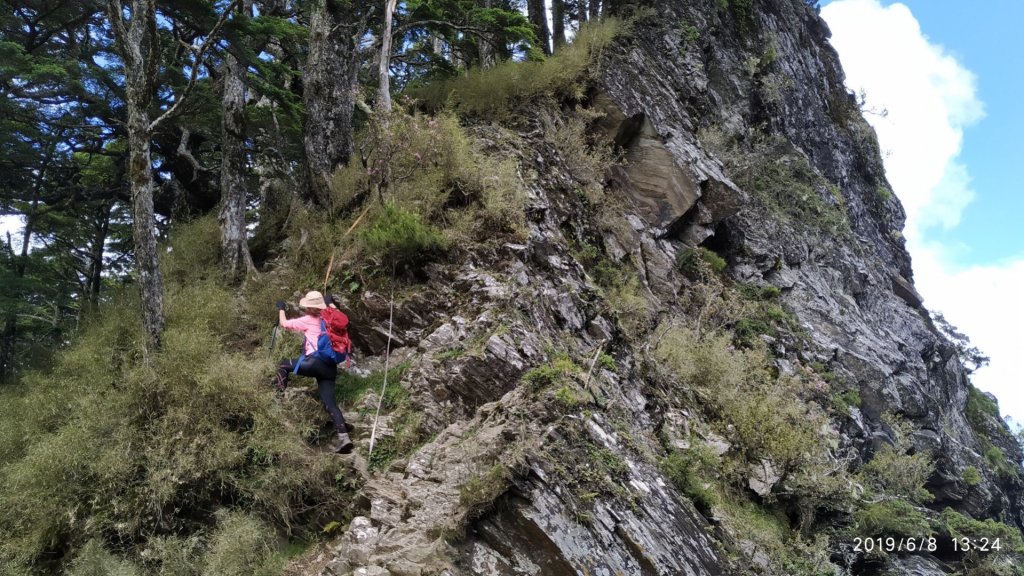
<point x="552" y="414"/>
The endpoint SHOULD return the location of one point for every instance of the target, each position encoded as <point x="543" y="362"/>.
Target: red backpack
<point x="333" y="345"/>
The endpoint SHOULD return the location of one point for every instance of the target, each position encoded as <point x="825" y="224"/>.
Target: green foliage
<point x="894" y="471"/>
<point x="626" y="300"/>
<point x="740" y="10"/>
<point x="777" y="173"/>
<point x="883" y="194"/>
<point x="400" y="238"/>
<point x="767" y="532"/>
<point x="970" y="355"/>
<point x="896" y="518"/>
<point x="691" y="472"/>
<point x="503" y="27"/>
<point x="961" y="526"/>
<point x="998" y="461"/>
<point x="971" y="476"/>
<point x="845" y="400"/>
<point x="696" y="262"/>
<point x="688" y="33"/>
<point x="108" y="445"/>
<point x="426" y="180"/>
<point x="623" y="294"/>
<point x="406" y="423"/>
<point x="499" y="92"/>
<point x="242" y="545"/>
<point x="980" y="409"/>
<point x="559" y="371"/>
<point x="94" y="560"/>
<point x="754" y="292"/>
<point x="478" y="493"/>
<point x="567" y="398"/>
<point x="351" y="387"/>
<point x="586" y="158"/>
<point x="761" y="415"/>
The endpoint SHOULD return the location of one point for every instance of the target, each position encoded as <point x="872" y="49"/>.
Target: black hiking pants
<point x="325" y="374"/>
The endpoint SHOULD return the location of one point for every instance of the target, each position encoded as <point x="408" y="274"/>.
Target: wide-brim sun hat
<point x="313" y="299"/>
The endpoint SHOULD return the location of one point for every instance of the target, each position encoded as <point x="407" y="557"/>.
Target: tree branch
<point x="459" y="27"/>
<point x="116" y="12"/>
<point x="199" y="53"/>
<point x="185" y="153"/>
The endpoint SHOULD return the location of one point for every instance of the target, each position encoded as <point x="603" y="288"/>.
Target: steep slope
<point x="609" y="399"/>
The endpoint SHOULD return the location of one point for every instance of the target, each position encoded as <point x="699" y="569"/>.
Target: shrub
<point x="625" y="299"/>
<point x="241" y="546"/>
<point x="773" y="170"/>
<point x="971" y="476"/>
<point x="690" y="471"/>
<point x="620" y="286"/>
<point x="891" y="518"/>
<point x="688" y="33"/>
<point x="586" y="159"/>
<point x="400" y="238"/>
<point x="961" y="526"/>
<point x="883" y="194"/>
<point x="694" y="262"/>
<point x="844" y="401"/>
<point x="110" y="446"/>
<point x="430" y="166"/>
<point x="762" y="415"/>
<point x="480" y="491"/>
<point x="767" y="532"/>
<point x="94" y="560"/>
<point x="567" y="398"/>
<point x="980" y="408"/>
<point x="754" y="293"/>
<point x="559" y="371"/>
<point x="895" y="472"/>
<point x="998" y="461"/>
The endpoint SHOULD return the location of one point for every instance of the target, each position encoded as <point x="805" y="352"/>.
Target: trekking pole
<point x="387" y="359"/>
<point x="273" y="338"/>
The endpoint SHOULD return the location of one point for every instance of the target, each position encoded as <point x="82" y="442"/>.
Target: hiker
<point x="310" y="364"/>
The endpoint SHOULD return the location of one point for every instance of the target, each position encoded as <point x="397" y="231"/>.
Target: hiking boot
<point x="344" y="445"/>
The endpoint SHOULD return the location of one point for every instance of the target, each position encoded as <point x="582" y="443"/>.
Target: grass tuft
<point x="498" y="93"/>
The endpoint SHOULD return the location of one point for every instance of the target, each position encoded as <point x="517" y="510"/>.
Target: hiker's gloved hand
<point x="329" y="299"/>
<point x="281" y="305"/>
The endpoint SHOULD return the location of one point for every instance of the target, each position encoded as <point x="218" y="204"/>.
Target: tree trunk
<point x="538" y="16"/>
<point x="328" y="92"/>
<point x="384" y="71"/>
<point x="99" y="241"/>
<point x="234" y="245"/>
<point x="484" y="48"/>
<point x="138" y="45"/>
<point x="7" y="340"/>
<point x="594" y="11"/>
<point x="140" y="177"/>
<point x="558" y="23"/>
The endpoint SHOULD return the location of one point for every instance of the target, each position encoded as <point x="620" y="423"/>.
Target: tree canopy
<point x="121" y="118"/>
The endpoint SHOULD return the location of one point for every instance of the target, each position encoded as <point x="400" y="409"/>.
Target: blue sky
<point x="986" y="39"/>
<point x="949" y="73"/>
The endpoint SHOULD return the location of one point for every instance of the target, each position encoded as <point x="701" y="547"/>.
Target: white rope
<point x="387" y="360"/>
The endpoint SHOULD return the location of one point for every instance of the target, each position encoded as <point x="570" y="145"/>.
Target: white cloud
<point x="931" y="99"/>
<point x="984" y="302"/>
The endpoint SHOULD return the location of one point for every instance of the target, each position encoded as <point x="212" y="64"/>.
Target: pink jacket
<point x="309" y="326"/>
